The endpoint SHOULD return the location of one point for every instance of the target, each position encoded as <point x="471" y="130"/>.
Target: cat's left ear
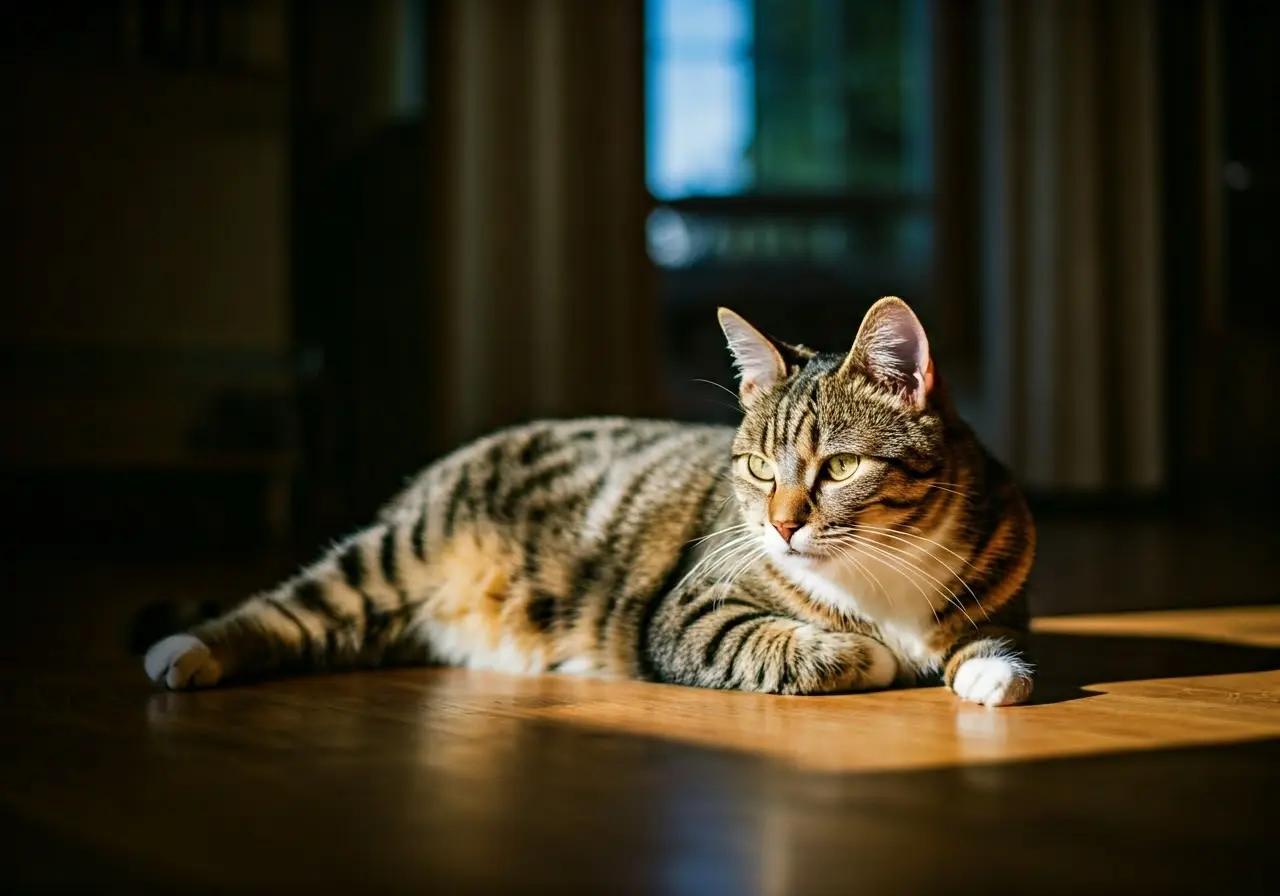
<point x="892" y="350"/>
<point x="760" y="364"/>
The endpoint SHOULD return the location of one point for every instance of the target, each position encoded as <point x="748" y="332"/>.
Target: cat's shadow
<point x="1070" y="665"/>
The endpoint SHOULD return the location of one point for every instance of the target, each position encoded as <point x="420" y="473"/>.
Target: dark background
<point x="262" y="260"/>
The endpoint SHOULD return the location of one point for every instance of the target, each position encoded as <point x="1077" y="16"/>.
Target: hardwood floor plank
<point x="1149" y="762"/>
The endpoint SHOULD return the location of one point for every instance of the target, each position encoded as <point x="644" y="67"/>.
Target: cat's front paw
<point x="182" y="661"/>
<point x="993" y="680"/>
<point x="837" y="662"/>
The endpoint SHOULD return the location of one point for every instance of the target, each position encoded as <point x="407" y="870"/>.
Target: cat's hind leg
<point x="346" y="610"/>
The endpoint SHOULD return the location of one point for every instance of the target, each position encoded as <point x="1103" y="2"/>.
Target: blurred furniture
<point x="146" y="322"/>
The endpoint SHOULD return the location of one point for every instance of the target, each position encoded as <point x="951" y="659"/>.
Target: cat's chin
<point x="805" y="560"/>
<point x="792" y="553"/>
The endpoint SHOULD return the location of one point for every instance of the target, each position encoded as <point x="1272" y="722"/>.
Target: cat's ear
<point x="760" y="363"/>
<point x="892" y="350"/>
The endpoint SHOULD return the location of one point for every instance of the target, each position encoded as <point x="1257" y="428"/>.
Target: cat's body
<point x="695" y="555"/>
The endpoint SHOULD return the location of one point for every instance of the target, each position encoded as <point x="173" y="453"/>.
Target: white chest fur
<point x="901" y="586"/>
<point x="903" y="617"/>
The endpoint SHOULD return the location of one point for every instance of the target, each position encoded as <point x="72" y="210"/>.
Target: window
<point x="789" y="155"/>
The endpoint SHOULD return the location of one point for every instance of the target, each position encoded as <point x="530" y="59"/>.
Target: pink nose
<point x="787" y="529"/>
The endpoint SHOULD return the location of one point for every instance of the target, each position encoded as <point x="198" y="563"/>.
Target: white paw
<point x="993" y="680"/>
<point x="182" y="661"/>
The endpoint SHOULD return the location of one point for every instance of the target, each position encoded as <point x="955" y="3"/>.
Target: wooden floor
<point x="1149" y="763"/>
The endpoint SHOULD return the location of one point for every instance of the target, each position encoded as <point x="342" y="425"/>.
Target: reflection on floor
<point x="1149" y="761"/>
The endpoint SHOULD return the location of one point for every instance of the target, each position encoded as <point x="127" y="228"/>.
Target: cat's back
<point x="559" y="530"/>
<point x="586" y="467"/>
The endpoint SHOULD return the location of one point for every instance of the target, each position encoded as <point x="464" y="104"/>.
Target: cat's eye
<point x="842" y="466"/>
<point x="759" y="467"/>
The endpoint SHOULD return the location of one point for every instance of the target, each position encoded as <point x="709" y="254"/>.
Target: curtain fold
<point x="545" y="294"/>
<point x="1072" y="292"/>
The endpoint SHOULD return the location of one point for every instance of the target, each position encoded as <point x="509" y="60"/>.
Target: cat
<point x="852" y="534"/>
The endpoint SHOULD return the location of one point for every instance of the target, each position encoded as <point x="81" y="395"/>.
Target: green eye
<point x="842" y="466"/>
<point x="759" y="467"/>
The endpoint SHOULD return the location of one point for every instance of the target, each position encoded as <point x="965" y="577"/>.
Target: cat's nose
<point x="787" y="529"/>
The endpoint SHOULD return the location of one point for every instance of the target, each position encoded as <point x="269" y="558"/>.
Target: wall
<point x="144" y="257"/>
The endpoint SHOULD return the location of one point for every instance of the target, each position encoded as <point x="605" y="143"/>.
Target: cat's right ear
<point x="760" y="364"/>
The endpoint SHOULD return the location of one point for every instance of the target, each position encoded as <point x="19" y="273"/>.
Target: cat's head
<point x="829" y="442"/>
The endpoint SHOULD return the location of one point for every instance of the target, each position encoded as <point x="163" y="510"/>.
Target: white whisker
<point x="730" y="547"/>
<point x="897" y="536"/>
<point x="900" y="533"/>
<point x="732" y="394"/>
<point x="719" y="532"/>
<point x="752" y="557"/>
<point x="860" y="544"/>
<point x="845" y="557"/>
<point x="743" y="550"/>
<point x="955" y="491"/>
<point x="907" y="560"/>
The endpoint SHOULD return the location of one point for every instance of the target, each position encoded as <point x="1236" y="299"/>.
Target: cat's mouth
<point x="803" y="548"/>
<point x="796" y="554"/>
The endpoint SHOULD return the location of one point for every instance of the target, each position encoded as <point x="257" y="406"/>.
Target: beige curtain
<point x="547" y="303"/>
<point x="1072" y="283"/>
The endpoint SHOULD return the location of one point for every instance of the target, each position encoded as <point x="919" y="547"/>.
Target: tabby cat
<point x="850" y="535"/>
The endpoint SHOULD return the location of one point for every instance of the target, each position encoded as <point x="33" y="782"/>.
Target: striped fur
<point x="645" y="549"/>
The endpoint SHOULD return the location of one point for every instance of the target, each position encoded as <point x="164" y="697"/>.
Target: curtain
<point x="545" y="296"/>
<point x="1072" y="292"/>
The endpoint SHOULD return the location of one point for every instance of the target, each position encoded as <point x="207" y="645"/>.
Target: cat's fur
<point x="643" y="549"/>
